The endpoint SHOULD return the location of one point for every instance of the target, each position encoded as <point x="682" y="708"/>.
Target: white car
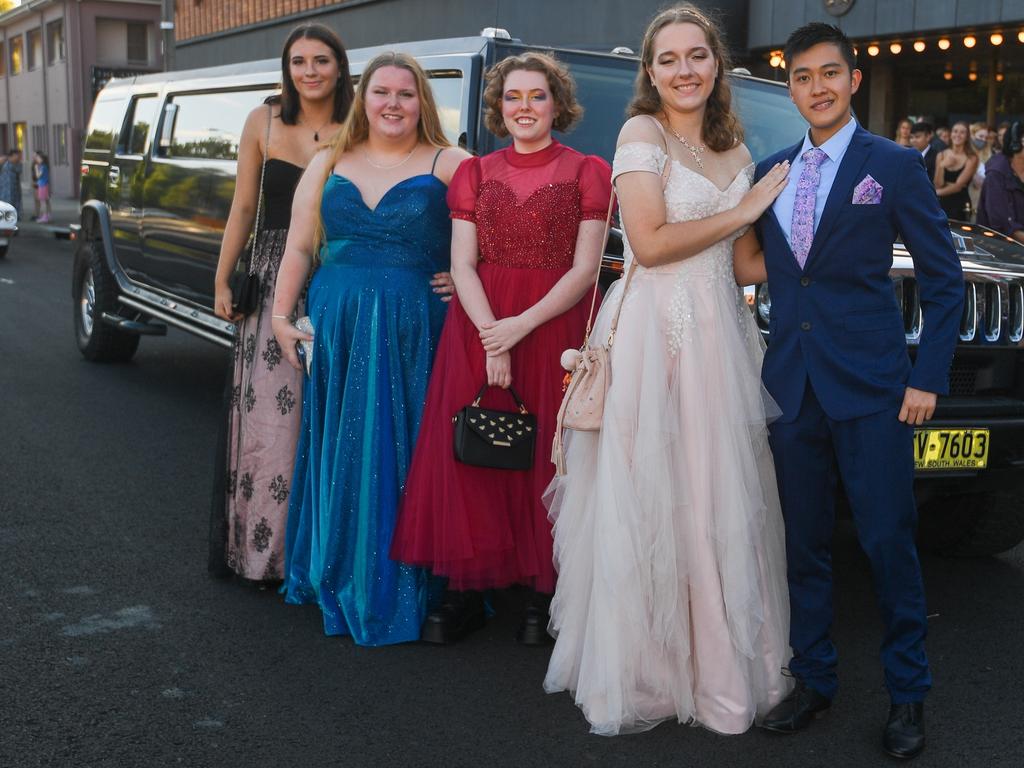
<point x="8" y="226"/>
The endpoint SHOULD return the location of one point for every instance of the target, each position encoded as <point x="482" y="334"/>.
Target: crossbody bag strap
<point x="600" y="261"/>
<point x="259" y="198"/>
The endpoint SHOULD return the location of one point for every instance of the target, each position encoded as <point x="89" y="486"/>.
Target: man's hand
<point x="918" y="406"/>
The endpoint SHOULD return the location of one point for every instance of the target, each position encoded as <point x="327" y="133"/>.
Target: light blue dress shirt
<point x="835" y="148"/>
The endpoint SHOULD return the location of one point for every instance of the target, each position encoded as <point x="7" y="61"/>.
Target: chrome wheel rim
<point x="87" y="302"/>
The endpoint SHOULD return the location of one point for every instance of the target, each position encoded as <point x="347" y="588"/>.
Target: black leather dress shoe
<point x="459" y="614"/>
<point x="904" y="731"/>
<point x="795" y="712"/>
<point x="534" y="629"/>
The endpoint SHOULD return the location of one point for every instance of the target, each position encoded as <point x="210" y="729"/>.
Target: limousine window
<point x="209" y="125"/>
<point x="105" y="116"/>
<point x="769" y="123"/>
<point x="142" y="116"/>
<point x="446" y="86"/>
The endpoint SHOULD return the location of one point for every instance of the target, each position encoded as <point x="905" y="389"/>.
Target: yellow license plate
<point x="950" y="449"/>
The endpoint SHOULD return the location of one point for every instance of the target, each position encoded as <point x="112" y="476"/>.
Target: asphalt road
<point x="116" y="649"/>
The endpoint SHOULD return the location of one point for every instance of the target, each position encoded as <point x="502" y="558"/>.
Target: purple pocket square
<point x="868" y="192"/>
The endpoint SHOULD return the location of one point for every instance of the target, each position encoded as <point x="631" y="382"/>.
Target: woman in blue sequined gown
<point x="378" y="198"/>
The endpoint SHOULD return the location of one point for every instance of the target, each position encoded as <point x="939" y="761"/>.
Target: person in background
<point x="983" y="137"/>
<point x="1001" y="206"/>
<point x="526" y="245"/>
<point x="954" y="169"/>
<point x="10" y="179"/>
<point x="41" y="184"/>
<point x="902" y="136"/>
<point x="257" y="451"/>
<point x="1001" y="135"/>
<point x="941" y="138"/>
<point x="921" y="135"/>
<point x="371" y="222"/>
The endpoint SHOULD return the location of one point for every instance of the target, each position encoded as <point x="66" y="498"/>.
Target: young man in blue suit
<point x="837" y="364"/>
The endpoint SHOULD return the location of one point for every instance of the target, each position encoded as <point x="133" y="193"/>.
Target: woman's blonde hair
<point x="721" y="130"/>
<point x="563" y="90"/>
<point x="356" y="128"/>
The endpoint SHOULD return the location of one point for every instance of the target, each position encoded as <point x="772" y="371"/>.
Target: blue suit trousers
<point x="873" y="456"/>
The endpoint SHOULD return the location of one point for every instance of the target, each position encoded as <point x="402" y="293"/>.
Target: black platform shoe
<point x="904" y="731"/>
<point x="459" y="614"/>
<point x="534" y="629"/>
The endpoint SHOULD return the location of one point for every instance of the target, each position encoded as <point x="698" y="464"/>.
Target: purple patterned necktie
<point x="801" y="231"/>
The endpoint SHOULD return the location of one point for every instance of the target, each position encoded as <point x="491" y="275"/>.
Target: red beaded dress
<point x="481" y="527"/>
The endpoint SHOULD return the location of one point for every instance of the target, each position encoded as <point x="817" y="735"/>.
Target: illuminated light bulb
<point x="972" y="76"/>
<point x="1020" y="36"/>
<point x="970" y="41"/>
<point x="1000" y="77"/>
<point x="948" y="75"/>
<point x="919" y="46"/>
<point x="775" y="60"/>
<point x="943" y="44"/>
<point x="996" y="38"/>
<point x="896" y="48"/>
<point x="872" y="50"/>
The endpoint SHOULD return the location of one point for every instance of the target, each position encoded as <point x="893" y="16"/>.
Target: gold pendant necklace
<point x="695" y="150"/>
<point x="403" y="161"/>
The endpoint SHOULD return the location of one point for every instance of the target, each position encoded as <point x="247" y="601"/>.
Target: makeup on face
<point x="528" y="109"/>
<point x="683" y="68"/>
<point x="392" y="102"/>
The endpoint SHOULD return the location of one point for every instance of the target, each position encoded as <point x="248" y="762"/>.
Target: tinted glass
<point x="209" y="125"/>
<point x="604" y="89"/>
<point x="770" y="120"/>
<point x="447" y="88"/>
<point x="143" y="119"/>
<point x="105" y="116"/>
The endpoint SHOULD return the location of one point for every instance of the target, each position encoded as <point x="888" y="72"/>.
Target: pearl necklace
<point x="403" y="161"/>
<point x="696" y="151"/>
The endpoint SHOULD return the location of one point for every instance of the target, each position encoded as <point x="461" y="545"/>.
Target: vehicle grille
<point x="993" y="312"/>
<point x="963" y="378"/>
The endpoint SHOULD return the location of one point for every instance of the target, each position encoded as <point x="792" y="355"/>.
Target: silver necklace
<point x="403" y="161"/>
<point x="695" y="150"/>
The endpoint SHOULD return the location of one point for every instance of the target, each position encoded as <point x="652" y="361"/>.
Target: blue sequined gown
<point x="376" y="323"/>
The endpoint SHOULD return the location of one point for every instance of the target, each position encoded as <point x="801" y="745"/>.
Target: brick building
<point x="54" y="56"/>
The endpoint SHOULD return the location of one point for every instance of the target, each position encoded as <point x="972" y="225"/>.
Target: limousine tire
<point x="95" y="292"/>
<point x="973" y="525"/>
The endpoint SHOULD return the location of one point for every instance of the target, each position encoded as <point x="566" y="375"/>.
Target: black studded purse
<point x="498" y="439"/>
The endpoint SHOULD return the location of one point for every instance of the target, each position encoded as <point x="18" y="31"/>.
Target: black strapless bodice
<point x="279" y="181"/>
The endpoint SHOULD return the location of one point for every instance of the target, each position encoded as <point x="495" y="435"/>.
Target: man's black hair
<point x="922" y="126"/>
<point x="810" y="35"/>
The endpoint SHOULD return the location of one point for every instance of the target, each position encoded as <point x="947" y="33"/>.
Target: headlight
<point x="764" y="304"/>
<point x="10" y="216"/>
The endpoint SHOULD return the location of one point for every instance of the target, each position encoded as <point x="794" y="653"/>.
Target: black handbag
<point x="498" y="439"/>
<point x="244" y="282"/>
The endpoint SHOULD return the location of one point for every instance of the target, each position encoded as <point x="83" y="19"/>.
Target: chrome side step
<point x="134" y="326"/>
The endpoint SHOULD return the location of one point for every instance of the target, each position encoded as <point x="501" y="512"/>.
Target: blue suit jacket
<point x="836" y="322"/>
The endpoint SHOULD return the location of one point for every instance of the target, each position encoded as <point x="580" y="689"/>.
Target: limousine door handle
<point x="114" y="176"/>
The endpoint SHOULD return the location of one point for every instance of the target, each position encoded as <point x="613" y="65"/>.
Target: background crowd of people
<point x="959" y="158"/>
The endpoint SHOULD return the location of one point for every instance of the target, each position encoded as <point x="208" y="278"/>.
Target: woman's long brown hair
<point x="721" y="129"/>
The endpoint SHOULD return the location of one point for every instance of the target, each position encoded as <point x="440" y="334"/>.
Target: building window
<point x="60" y="144"/>
<point x="3" y="64"/>
<point x="138" y="42"/>
<point x="35" y="48"/>
<point x="39" y="143"/>
<point x="17" y="54"/>
<point x="55" y="41"/>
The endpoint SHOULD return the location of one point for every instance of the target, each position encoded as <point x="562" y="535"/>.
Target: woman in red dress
<point x="526" y="242"/>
